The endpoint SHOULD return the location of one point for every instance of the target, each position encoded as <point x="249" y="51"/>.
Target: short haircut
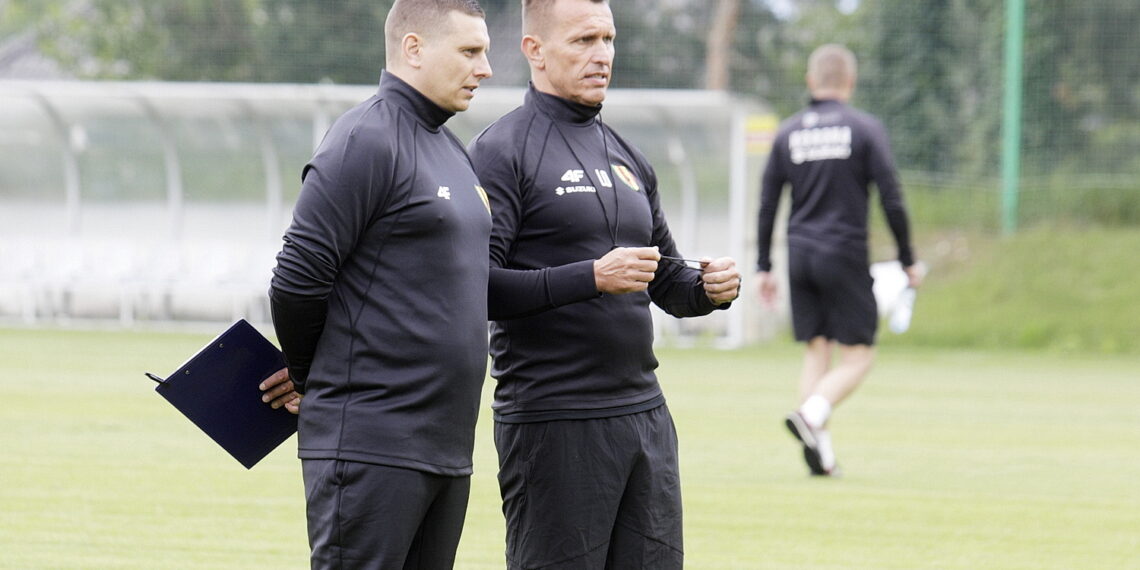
<point x="831" y="66"/>
<point x="535" y="14"/>
<point x="421" y="17"/>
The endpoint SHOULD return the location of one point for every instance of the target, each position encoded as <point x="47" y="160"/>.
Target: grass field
<point x="953" y="459"/>
<point x="1056" y="289"/>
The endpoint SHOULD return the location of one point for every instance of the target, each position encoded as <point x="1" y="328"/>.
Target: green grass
<point x="1067" y="290"/>
<point x="953" y="459"/>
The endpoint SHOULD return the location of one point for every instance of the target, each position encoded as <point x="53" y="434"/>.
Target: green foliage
<point x="953" y="460"/>
<point x="914" y="43"/>
<point x="777" y="71"/>
<point x="639" y="62"/>
<point x="15" y="16"/>
<point x="217" y="40"/>
<point x="301" y="41"/>
<point x="931" y="70"/>
<point x="153" y="39"/>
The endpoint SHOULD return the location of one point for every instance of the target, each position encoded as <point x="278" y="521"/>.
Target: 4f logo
<point x="573" y="176"/>
<point x="444" y="192"/>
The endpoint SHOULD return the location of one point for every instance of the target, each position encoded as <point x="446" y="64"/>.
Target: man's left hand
<point x="279" y="391"/>
<point x="721" y="278"/>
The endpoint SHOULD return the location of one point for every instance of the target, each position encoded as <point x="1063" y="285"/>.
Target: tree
<point x="721" y="34"/>
<point x="770" y="53"/>
<point x="660" y="44"/>
<point x="300" y="41"/>
<point x="1082" y="113"/>
<point x="153" y="39"/>
<point x="307" y="41"/>
<point x="907" y="79"/>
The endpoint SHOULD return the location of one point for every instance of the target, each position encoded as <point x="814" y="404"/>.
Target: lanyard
<point x="615" y="225"/>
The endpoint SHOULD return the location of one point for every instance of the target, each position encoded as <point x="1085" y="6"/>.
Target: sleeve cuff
<point x="572" y="283"/>
<point x="906" y="257"/>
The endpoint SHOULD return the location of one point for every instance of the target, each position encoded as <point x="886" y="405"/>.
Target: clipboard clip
<point x="155" y="377"/>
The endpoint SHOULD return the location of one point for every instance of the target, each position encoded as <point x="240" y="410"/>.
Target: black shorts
<point x="372" y="516"/>
<point x="598" y="493"/>
<point x="831" y="297"/>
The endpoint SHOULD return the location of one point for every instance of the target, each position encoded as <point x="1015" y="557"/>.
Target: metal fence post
<point x="1011" y="116"/>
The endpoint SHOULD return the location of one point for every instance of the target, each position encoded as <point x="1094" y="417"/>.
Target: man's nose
<point x="483" y="68"/>
<point x="602" y="53"/>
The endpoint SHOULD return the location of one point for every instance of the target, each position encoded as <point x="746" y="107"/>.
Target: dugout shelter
<point x="137" y="201"/>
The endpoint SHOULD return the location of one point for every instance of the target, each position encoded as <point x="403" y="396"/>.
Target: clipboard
<point x="218" y="390"/>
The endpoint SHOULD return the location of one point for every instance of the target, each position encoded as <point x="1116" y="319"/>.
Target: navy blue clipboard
<point x="217" y="389"/>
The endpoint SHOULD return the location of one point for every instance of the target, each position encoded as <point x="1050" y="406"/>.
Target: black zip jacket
<point x="565" y="189"/>
<point x="379" y="294"/>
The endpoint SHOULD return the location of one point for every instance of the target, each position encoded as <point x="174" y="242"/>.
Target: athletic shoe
<point x="806" y="434"/>
<point x="826" y="454"/>
<point x="835" y="471"/>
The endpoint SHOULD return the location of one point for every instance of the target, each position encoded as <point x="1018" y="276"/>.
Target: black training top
<point x="830" y="152"/>
<point x="565" y="189"/>
<point x="379" y="294"/>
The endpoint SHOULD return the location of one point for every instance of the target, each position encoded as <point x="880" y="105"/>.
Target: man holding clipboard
<point x="379" y="301"/>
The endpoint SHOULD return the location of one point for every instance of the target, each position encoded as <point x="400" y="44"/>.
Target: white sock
<point x="816" y="410"/>
<point x="826" y="453"/>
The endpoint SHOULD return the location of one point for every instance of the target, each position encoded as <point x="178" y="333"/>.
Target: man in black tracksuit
<point x="830" y="153"/>
<point x="579" y="248"/>
<point x="379" y="302"/>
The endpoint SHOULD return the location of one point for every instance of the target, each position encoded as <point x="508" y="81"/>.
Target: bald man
<point x="829" y="154"/>
<point x="588" y="464"/>
<point x="379" y="301"/>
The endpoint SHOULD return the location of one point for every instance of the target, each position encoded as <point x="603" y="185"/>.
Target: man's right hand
<point x="915" y="274"/>
<point x="767" y="288"/>
<point x="279" y="391"/>
<point x="626" y="269"/>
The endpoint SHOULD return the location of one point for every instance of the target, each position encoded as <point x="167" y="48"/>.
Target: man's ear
<point x="532" y="51"/>
<point x="412" y="46"/>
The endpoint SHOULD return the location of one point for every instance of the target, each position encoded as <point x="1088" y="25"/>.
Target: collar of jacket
<point x="397" y="91"/>
<point x="561" y="109"/>
<point x="815" y="101"/>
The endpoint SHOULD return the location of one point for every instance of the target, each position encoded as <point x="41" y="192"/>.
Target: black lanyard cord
<point x="615" y="225"/>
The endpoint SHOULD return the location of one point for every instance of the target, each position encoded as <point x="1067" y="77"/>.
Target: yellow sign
<point x="759" y="132"/>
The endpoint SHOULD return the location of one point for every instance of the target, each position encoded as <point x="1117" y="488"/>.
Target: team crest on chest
<point x="626" y="177"/>
<point x="483" y="196"/>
